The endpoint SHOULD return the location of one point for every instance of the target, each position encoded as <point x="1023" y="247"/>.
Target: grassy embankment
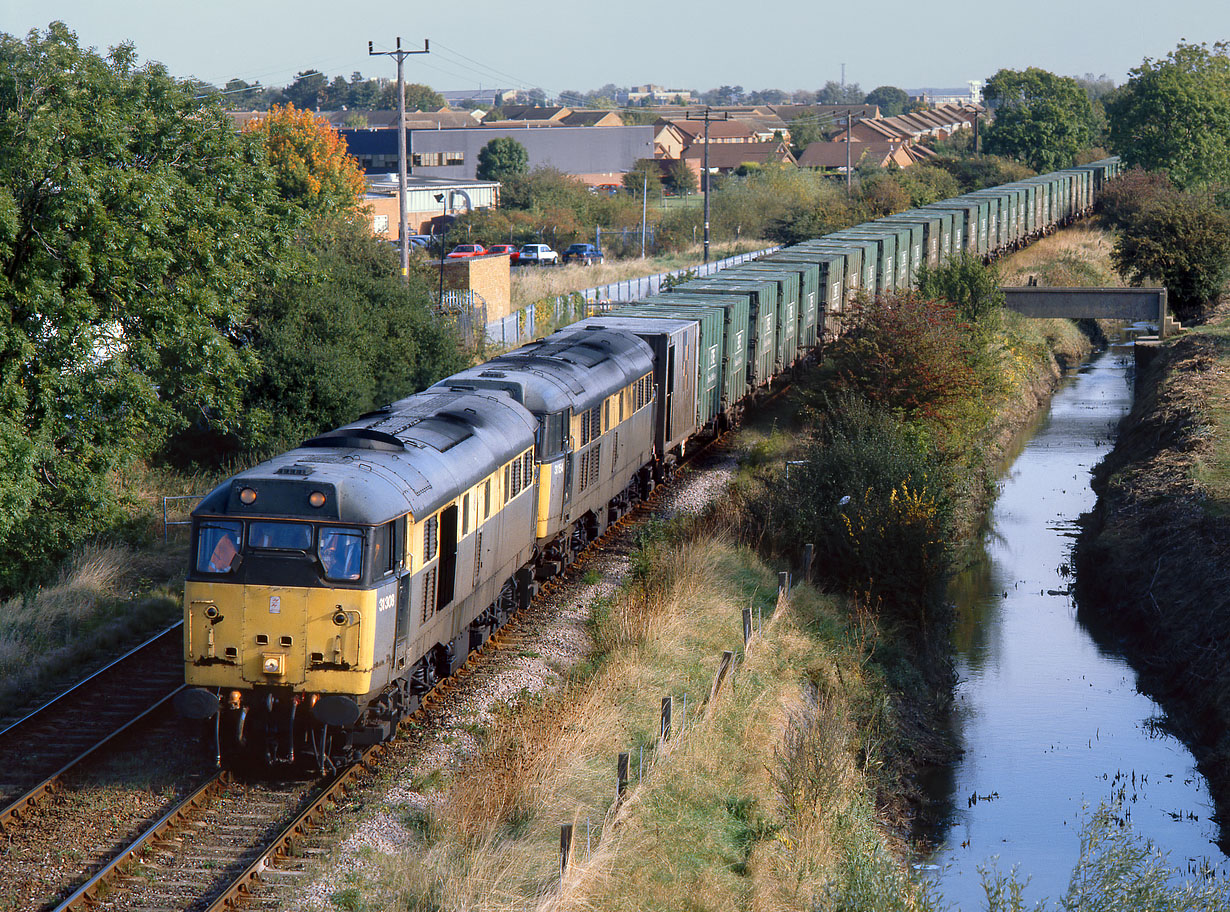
<point x="789" y="789"/>
<point x="1154" y="560"/>
<point x="105" y="599"/>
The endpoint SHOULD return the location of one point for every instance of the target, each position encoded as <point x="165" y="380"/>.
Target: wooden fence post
<point x="723" y="668"/>
<point x="565" y="848"/>
<point x="621" y="777"/>
<point x="665" y="730"/>
<point x="809" y="553"/>
<point x="747" y="625"/>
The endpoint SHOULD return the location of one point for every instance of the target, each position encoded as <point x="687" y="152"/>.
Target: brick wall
<point x="490" y="277"/>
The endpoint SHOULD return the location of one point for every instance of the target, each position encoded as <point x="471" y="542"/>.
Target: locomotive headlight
<point x="273" y="664"/>
<point x="340" y="618"/>
<point x="211" y="612"/>
<point x="316" y="499"/>
<point x="247" y="496"/>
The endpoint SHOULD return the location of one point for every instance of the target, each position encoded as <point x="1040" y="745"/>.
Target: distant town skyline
<point x="584" y="46"/>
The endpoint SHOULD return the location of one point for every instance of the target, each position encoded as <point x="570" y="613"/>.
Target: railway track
<point x="39" y="749"/>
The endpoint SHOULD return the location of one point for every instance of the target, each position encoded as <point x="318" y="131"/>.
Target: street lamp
<point x="441" y="198"/>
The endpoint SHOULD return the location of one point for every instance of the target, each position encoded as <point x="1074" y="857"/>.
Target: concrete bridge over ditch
<point x="1133" y="305"/>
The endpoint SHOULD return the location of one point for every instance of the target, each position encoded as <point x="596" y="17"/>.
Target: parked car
<point x="538" y="254"/>
<point x="467" y="250"/>
<point x="513" y="253"/>
<point x="587" y="254"/>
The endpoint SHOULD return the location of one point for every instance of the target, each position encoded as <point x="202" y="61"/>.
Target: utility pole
<point x="708" y="116"/>
<point x="403" y="232"/>
<point x="847" y="152"/>
<point x="644" y="207"/>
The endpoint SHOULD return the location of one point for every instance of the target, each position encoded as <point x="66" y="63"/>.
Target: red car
<point x="467" y="250"/>
<point x="513" y="253"/>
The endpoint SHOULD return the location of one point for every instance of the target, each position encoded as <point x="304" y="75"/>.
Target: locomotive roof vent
<point x="300" y="470"/>
<point x="491" y="373"/>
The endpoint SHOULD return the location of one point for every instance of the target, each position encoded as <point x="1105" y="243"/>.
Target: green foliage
<point x="680" y="179"/>
<point x="890" y="99"/>
<point x="1041" y="119"/>
<point x="870" y="495"/>
<point x="977" y="172"/>
<point x="135" y="228"/>
<point x="805" y="130"/>
<point x="1179" y="240"/>
<point x="346" y="337"/>
<point x="419" y="97"/>
<point x="836" y="93"/>
<point x="644" y="179"/>
<point x="965" y="282"/>
<point x="1173" y="115"/>
<point x="502" y="158"/>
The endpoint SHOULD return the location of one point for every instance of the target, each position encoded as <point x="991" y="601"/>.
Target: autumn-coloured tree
<point x="313" y="166"/>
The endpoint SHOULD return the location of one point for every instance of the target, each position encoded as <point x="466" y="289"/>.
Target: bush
<point x="1127" y="194"/>
<point x="966" y="283"/>
<point x="909" y="355"/>
<point x="1181" y="241"/>
<point x="870" y="495"/>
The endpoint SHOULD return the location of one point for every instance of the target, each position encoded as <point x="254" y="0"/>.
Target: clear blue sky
<point x="582" y="45"/>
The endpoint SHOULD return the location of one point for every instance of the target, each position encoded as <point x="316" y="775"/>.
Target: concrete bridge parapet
<point x="1134" y="305"/>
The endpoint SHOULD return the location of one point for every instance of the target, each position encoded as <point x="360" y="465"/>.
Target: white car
<point x="537" y="254"/>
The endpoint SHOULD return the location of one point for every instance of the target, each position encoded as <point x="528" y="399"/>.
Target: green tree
<point x="805" y="130"/>
<point x="502" y="158"/>
<point x="419" y="97"/>
<point x="890" y="99"/>
<point x="1179" y="240"/>
<point x="1173" y="115"/>
<point x="836" y="93"/>
<point x="136" y="227"/>
<point x="680" y="179"/>
<point x="341" y="337"/>
<point x="966" y="284"/>
<point x="645" y="178"/>
<point x="307" y="90"/>
<point x="1041" y="119"/>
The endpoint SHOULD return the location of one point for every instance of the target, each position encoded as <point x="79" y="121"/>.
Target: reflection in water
<point x="1052" y="724"/>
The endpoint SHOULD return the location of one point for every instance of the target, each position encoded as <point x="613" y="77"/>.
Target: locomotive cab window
<point x="280" y="536"/>
<point x="341" y="552"/>
<point x="552" y="435"/>
<point x="218" y="546"/>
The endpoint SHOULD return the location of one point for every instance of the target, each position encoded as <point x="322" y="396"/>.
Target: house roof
<point x="727" y="156"/>
<point x="593" y="119"/>
<point x="693" y="131"/>
<point x="833" y="154"/>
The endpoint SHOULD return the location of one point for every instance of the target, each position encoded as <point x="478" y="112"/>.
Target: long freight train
<point x="333" y="585"/>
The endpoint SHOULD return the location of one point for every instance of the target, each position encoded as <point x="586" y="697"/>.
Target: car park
<point x="588" y="254"/>
<point x="538" y="255"/>
<point x="467" y="250"/>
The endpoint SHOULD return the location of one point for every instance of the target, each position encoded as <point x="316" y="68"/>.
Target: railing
<point x="167" y="522"/>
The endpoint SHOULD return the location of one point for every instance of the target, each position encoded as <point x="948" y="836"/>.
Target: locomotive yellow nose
<point x="273" y="664"/>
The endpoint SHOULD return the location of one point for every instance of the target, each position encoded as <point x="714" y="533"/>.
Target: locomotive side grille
<point x="429" y="594"/>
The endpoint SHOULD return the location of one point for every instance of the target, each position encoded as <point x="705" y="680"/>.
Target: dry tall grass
<point x="1077" y="256"/>
<point x="758" y="800"/>
<point x="104" y="596"/>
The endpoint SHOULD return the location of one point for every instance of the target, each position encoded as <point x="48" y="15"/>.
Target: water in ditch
<point x="1050" y="723"/>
